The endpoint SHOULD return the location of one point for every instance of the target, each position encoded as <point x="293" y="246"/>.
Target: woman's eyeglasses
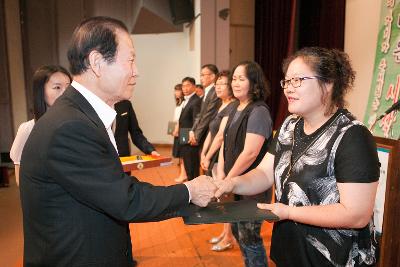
<point x="296" y="81"/>
<point x="221" y="84"/>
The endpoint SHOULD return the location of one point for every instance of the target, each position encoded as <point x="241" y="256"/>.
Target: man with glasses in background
<point x="209" y="105"/>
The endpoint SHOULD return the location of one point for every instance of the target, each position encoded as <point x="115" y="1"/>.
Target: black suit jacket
<point x="209" y="108"/>
<point x="189" y="112"/>
<point x="126" y="122"/>
<point x="76" y="199"/>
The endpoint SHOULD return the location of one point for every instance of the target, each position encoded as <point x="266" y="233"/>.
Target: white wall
<point x="242" y="31"/>
<point x="361" y="33"/>
<point x="215" y="46"/>
<point x="163" y="60"/>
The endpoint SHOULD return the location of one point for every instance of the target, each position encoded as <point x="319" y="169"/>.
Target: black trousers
<point x="191" y="160"/>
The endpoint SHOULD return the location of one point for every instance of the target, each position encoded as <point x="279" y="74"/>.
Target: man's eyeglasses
<point x="205" y="74"/>
<point x="221" y="84"/>
<point x="296" y="81"/>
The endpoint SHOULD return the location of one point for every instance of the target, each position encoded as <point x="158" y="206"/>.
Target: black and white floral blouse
<point x="307" y="169"/>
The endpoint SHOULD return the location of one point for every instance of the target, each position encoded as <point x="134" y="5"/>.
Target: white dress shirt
<point x="206" y="90"/>
<point x="186" y="99"/>
<point x="105" y="112"/>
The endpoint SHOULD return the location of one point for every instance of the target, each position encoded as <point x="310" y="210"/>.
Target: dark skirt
<point x="213" y="161"/>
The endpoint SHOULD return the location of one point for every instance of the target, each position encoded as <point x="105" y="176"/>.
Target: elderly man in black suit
<point x="76" y="199"/>
<point x="126" y="123"/>
<point x="209" y="106"/>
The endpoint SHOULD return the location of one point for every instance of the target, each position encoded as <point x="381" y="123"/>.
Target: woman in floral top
<point x="324" y="165"/>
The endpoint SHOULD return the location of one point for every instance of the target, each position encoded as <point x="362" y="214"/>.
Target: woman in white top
<point x="49" y="82"/>
<point x="175" y="149"/>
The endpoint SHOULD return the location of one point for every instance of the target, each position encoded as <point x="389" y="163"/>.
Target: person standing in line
<point x="126" y="123"/>
<point x="49" y="82"/>
<point x="76" y="200"/>
<point x="176" y="147"/>
<point x="199" y="90"/>
<point x="324" y="165"/>
<point x="210" y="151"/>
<point x="209" y="106"/>
<point x="190" y="108"/>
<point x="246" y="137"/>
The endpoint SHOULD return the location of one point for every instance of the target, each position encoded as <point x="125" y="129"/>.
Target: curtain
<point x="282" y="27"/>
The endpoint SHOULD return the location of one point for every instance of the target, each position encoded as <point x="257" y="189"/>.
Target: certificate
<point x="228" y="212"/>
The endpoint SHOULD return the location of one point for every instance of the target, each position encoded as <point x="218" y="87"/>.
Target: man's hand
<point x="155" y="153"/>
<point x="192" y="139"/>
<point x="202" y="190"/>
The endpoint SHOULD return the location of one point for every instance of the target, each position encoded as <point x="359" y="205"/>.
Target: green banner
<point x="385" y="84"/>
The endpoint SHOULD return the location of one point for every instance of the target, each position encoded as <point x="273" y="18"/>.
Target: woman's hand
<point x="279" y="209"/>
<point x="175" y="133"/>
<point x="202" y="156"/>
<point x="205" y="163"/>
<point x="220" y="175"/>
<point x="224" y="186"/>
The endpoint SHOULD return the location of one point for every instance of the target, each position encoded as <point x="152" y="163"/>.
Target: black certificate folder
<point x="228" y="212"/>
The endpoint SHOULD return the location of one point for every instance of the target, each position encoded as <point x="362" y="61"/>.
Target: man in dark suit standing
<point x="190" y="109"/>
<point x="76" y="199"/>
<point x="199" y="90"/>
<point x="209" y="106"/>
<point x="126" y="123"/>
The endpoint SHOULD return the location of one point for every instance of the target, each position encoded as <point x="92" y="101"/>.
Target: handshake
<point x="204" y="188"/>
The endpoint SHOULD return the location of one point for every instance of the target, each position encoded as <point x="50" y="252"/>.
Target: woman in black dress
<point x="209" y="153"/>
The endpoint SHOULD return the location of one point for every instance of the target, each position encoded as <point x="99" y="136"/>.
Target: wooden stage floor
<point x="172" y="243"/>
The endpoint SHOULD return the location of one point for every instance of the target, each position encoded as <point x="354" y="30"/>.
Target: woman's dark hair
<point x="333" y="66"/>
<point x="178" y="100"/>
<point x="259" y="85"/>
<point x="227" y="74"/>
<point x="40" y="78"/>
<point x="96" y="33"/>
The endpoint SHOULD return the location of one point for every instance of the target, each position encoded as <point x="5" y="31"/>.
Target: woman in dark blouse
<point x="215" y="136"/>
<point x="246" y="136"/>
<point x="324" y="165"/>
<point x="209" y="153"/>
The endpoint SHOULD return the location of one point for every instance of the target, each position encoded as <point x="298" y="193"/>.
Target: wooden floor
<point x="172" y="243"/>
<point x="11" y="238"/>
<point x="167" y="243"/>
